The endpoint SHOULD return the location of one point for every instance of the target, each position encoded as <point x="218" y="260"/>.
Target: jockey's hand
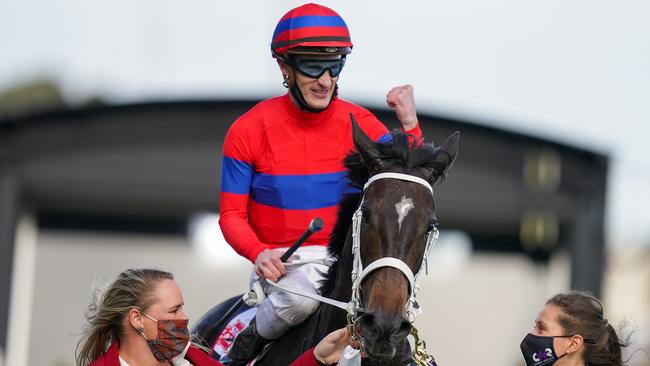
<point x="401" y="99"/>
<point x="328" y="351"/>
<point x="269" y="266"/>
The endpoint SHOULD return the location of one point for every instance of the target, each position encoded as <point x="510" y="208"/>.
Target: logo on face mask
<point x="542" y="355"/>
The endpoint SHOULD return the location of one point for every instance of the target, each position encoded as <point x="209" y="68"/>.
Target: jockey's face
<point x="317" y="92"/>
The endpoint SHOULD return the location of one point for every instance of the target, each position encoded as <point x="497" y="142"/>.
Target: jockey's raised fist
<point x="401" y="99"/>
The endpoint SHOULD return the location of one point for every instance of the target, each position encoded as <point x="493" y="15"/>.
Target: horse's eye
<point x="432" y="225"/>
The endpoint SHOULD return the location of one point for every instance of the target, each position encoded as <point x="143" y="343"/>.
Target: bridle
<point x="359" y="273"/>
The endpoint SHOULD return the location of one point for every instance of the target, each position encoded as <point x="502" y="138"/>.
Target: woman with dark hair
<point x="571" y="330"/>
<point x="139" y="320"/>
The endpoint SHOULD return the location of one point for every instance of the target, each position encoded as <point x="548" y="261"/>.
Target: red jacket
<point x="282" y="167"/>
<point x="194" y="355"/>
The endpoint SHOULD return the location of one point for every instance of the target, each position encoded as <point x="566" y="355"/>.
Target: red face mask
<point x="172" y="339"/>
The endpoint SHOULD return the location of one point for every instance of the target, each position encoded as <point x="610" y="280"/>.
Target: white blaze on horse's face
<point x="403" y="207"/>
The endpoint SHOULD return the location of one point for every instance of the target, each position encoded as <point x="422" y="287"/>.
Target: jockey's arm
<point x="239" y="234"/>
<point x="237" y="171"/>
<point x="236" y="179"/>
<point x="401" y="99"/>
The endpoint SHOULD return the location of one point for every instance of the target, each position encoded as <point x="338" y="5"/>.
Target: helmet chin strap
<point x="297" y="95"/>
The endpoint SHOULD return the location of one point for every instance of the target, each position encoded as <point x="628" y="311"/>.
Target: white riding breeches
<point x="282" y="310"/>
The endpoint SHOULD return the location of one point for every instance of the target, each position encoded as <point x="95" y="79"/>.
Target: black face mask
<point x="539" y="351"/>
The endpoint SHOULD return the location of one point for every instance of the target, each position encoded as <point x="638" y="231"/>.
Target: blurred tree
<point x="29" y="98"/>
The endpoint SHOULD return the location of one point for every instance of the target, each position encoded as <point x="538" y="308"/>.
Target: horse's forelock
<point x="357" y="170"/>
<point x="402" y="153"/>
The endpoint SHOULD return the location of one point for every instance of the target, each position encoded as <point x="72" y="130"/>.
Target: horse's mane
<point x="401" y="154"/>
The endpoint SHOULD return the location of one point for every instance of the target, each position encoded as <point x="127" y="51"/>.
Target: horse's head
<point x="397" y="216"/>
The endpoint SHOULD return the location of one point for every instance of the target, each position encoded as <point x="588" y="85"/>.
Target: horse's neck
<point x="343" y="288"/>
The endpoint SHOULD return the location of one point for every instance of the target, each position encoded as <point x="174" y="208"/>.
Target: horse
<point x="390" y="223"/>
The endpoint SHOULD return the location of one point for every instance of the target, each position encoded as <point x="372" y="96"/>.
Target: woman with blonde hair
<point x="139" y="321"/>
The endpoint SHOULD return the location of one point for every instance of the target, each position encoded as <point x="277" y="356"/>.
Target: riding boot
<point x="248" y="344"/>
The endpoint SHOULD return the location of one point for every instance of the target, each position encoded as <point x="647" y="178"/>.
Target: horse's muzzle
<point x="382" y="334"/>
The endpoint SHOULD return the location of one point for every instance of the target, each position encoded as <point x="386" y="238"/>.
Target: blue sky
<point x="577" y="72"/>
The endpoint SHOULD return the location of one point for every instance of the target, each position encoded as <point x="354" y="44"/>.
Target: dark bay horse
<point x="397" y="215"/>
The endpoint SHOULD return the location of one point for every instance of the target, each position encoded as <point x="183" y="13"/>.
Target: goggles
<point x="315" y="68"/>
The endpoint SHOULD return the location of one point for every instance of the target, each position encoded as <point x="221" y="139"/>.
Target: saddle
<point x="219" y="327"/>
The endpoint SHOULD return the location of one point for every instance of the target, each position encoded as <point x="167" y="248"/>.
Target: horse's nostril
<point x="405" y="326"/>
<point x="402" y="331"/>
<point x="368" y="323"/>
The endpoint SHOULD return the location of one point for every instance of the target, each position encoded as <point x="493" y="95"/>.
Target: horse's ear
<point x="447" y="152"/>
<point x="365" y="146"/>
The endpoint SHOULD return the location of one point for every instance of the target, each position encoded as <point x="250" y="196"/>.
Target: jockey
<point x="282" y="166"/>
